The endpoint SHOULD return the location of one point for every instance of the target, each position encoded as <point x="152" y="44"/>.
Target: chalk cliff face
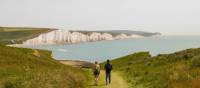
<point x="67" y="37"/>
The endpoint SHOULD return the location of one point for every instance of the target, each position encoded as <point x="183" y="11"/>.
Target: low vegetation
<point x="27" y="68"/>
<point x="13" y="35"/>
<point x="177" y="70"/>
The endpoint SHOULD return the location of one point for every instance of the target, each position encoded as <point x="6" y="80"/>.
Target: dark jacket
<point x="108" y="67"/>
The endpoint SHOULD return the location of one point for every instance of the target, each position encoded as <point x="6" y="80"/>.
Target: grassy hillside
<point x="177" y="70"/>
<point x="27" y="68"/>
<point x="10" y="35"/>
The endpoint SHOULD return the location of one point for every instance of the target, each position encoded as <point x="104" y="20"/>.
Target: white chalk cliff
<point x="66" y="37"/>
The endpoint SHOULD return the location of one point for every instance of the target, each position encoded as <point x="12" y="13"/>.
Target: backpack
<point x="109" y="67"/>
<point x="97" y="70"/>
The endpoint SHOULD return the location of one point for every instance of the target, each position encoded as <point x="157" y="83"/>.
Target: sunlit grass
<point x="20" y="68"/>
<point x="178" y="70"/>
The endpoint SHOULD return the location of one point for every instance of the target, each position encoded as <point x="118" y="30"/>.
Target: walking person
<point x="96" y="72"/>
<point x="108" y="68"/>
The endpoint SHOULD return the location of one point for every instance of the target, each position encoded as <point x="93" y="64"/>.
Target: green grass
<point x="13" y="35"/>
<point x="177" y="70"/>
<point x="20" y="68"/>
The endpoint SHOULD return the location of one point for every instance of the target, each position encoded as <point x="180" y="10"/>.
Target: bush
<point x="196" y="61"/>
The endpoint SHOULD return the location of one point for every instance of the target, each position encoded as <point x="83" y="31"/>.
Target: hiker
<point x="96" y="72"/>
<point x="108" y="68"/>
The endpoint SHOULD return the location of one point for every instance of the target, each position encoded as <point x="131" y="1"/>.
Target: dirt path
<point x="116" y="81"/>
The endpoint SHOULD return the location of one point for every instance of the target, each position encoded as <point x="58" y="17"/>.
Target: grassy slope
<point x="21" y="68"/>
<point x="177" y="70"/>
<point x="9" y="35"/>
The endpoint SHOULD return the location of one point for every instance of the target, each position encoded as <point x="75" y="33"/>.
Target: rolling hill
<point x="176" y="70"/>
<point x="27" y="68"/>
<point x="13" y="35"/>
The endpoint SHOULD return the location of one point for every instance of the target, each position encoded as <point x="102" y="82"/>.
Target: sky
<point x="170" y="17"/>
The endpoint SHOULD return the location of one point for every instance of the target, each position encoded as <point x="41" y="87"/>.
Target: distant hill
<point x="177" y="70"/>
<point x="21" y="28"/>
<point x="13" y="35"/>
<point x="117" y="32"/>
<point x="1" y="29"/>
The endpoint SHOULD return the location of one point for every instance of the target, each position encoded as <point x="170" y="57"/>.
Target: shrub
<point x="196" y="61"/>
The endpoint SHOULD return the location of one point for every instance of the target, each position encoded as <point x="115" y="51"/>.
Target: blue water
<point x="102" y="50"/>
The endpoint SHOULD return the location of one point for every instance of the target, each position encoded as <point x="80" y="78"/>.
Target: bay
<point x="103" y="50"/>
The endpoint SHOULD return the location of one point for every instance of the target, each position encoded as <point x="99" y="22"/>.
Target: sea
<point x="103" y="50"/>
